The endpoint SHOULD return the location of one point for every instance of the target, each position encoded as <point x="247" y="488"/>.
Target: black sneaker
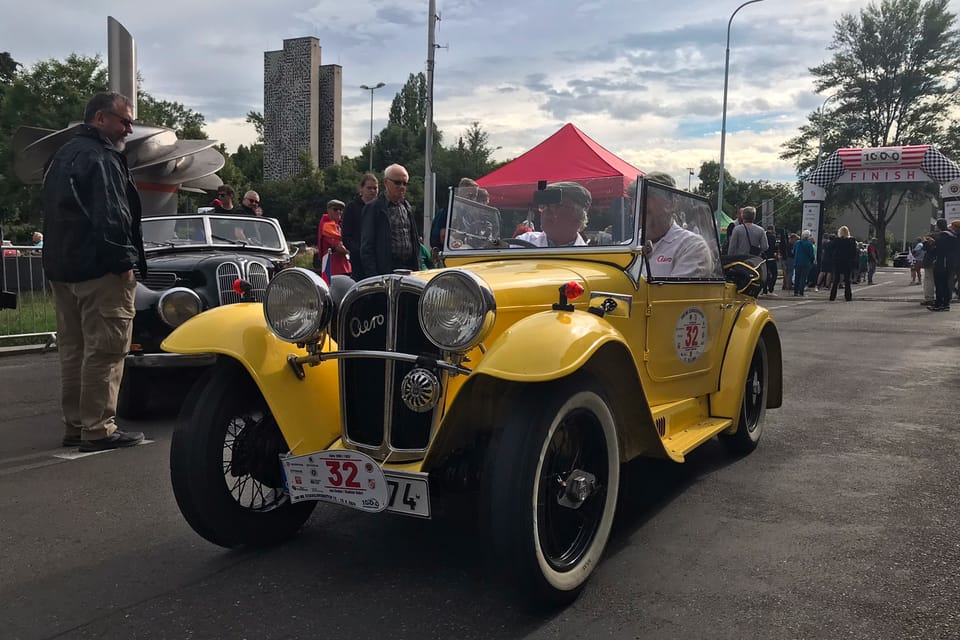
<point x="117" y="440"/>
<point x="72" y="441"/>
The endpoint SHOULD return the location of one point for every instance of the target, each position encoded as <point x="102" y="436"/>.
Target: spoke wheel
<point x="225" y="465"/>
<point x="553" y="475"/>
<point x="753" y="407"/>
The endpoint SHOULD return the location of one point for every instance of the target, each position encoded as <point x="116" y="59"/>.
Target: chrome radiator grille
<point x="382" y="316"/>
<point x="253" y="272"/>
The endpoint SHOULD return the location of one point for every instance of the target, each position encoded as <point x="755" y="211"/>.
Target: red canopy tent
<point x="569" y="154"/>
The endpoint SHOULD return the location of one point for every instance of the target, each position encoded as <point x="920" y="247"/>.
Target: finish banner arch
<point x="913" y="163"/>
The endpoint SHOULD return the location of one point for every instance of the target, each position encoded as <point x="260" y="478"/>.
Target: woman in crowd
<point x="845" y="257"/>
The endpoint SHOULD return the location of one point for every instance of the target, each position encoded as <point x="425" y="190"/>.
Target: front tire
<point x="554" y="478"/>
<point x="225" y="466"/>
<point x="753" y="408"/>
<point x="134" y="393"/>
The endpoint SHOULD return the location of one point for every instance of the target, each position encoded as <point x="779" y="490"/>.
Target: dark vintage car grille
<point x="253" y="272"/>
<point x="382" y="316"/>
<point x="158" y="280"/>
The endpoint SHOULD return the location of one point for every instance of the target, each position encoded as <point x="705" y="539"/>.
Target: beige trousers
<point x="94" y="325"/>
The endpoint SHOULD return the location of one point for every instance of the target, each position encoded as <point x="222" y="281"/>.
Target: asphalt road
<point x="843" y="523"/>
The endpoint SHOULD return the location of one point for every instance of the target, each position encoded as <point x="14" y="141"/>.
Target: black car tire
<point x="753" y="408"/>
<point x="132" y="401"/>
<point x="206" y="450"/>
<point x="549" y="550"/>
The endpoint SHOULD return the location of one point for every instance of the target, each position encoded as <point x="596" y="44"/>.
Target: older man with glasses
<point x="93" y="241"/>
<point x="388" y="238"/>
<point x="250" y="205"/>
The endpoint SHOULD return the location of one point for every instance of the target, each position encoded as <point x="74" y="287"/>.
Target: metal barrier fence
<point x="33" y="322"/>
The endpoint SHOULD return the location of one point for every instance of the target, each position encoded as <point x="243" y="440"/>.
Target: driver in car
<point x="677" y="252"/>
<point x="562" y="222"/>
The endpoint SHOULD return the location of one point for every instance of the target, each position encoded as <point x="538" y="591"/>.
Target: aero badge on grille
<point x="420" y="390"/>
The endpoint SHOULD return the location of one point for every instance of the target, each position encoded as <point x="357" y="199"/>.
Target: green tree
<point x="164" y="113"/>
<point x="895" y="71"/>
<point x="256" y="119"/>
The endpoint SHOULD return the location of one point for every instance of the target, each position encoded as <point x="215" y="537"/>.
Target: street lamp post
<point x="371" y="90"/>
<point x="842" y="94"/>
<point x="689" y="177"/>
<point x="723" y="125"/>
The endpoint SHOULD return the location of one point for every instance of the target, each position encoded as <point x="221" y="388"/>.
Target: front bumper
<point x="169" y="360"/>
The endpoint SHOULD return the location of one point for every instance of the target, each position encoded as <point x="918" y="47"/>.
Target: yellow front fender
<point x="308" y="410"/>
<point x="547" y="346"/>
<point x="754" y="324"/>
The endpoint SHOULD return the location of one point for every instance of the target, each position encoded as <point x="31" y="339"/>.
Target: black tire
<point x="753" y="409"/>
<point x="547" y="549"/>
<point x="224" y="464"/>
<point x="132" y="401"/>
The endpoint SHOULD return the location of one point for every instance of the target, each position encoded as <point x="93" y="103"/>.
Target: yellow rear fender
<point x="754" y="324"/>
<point x="547" y="346"/>
<point x="308" y="410"/>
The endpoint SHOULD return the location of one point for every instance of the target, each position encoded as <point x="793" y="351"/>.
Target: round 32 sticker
<point x="690" y="337"/>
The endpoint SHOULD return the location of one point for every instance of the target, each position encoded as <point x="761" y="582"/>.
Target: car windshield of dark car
<point x="680" y="236"/>
<point x="582" y="214"/>
<point x="193" y="231"/>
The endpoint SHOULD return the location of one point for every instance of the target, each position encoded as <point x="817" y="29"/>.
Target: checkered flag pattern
<point x="828" y="171"/>
<point x="939" y="167"/>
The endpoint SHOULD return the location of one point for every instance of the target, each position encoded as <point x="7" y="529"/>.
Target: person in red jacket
<point x="334" y="257"/>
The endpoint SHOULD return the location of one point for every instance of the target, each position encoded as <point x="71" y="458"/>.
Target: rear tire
<point x="133" y="397"/>
<point x="753" y="408"/>
<point x="548" y="545"/>
<point x="225" y="466"/>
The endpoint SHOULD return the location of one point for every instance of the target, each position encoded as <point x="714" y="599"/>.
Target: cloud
<point x="644" y="78"/>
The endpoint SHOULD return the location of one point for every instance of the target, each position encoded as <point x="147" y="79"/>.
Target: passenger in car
<point x="562" y="222"/>
<point x="677" y="252"/>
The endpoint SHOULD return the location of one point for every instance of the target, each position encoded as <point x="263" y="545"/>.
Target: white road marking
<point x="47" y="458"/>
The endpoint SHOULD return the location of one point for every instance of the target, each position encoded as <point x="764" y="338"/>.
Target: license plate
<point x="355" y="480"/>
<point x="408" y="493"/>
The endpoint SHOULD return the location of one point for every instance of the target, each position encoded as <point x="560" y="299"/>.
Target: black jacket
<point x="350" y="231"/>
<point x="91" y="212"/>
<point x="376" y="256"/>
<point x="944" y="250"/>
<point x="846" y="255"/>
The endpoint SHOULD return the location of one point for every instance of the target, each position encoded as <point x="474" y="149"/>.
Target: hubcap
<point x="572" y="495"/>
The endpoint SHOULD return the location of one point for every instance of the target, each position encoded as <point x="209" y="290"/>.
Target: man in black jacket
<point x="352" y="215"/>
<point x="92" y="241"/>
<point x="944" y="259"/>
<point x="388" y="238"/>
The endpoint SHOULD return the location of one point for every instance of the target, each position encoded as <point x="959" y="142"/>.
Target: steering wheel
<point x="519" y="242"/>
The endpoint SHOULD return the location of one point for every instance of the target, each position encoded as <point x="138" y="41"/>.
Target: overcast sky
<point x="643" y="78"/>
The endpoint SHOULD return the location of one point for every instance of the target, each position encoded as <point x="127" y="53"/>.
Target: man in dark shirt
<point x="389" y="238"/>
<point x="944" y="260"/>
<point x="225" y="196"/>
<point x="93" y="241"/>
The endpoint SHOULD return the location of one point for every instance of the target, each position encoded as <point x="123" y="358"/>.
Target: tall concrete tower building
<point x="301" y="108"/>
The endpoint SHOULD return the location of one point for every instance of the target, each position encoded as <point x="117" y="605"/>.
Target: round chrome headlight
<point x="457" y="310"/>
<point x="297" y="306"/>
<point x="178" y="305"/>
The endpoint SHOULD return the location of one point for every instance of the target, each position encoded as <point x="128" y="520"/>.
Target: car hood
<point x="194" y="261"/>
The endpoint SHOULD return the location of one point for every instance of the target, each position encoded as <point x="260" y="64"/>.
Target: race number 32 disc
<point x="690" y="337"/>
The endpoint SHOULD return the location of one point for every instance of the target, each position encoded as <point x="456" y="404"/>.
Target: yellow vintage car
<point x="521" y="375"/>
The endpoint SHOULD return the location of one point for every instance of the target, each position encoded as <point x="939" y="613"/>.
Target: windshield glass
<point x="209" y="231"/>
<point x="586" y="213"/>
<point x="680" y="235"/>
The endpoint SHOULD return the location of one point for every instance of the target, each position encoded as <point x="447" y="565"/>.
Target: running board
<point x="679" y="444"/>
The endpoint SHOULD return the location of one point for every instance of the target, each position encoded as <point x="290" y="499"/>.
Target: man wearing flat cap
<point x="334" y="256"/>
<point x="562" y="222"/>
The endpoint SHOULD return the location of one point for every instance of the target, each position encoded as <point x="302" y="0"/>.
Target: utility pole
<point x="429" y="190"/>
